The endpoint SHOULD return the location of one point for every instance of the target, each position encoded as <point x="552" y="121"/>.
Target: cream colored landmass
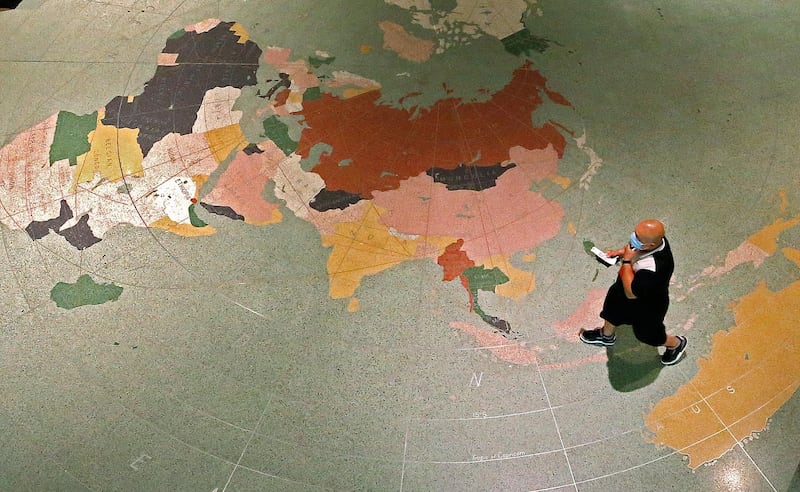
<point x="360" y="84"/>
<point x="202" y="26"/>
<point x="216" y="110"/>
<point x="497" y="18"/>
<point x="752" y="369"/>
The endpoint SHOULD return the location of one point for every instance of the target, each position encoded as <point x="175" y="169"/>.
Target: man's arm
<point x="626" y="270"/>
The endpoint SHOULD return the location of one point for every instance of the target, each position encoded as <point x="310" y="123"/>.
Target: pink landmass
<point x="514" y="352"/>
<point x="32" y="189"/>
<point x="408" y="47"/>
<point x="501" y="220"/>
<point x="507" y="350"/>
<point x="586" y="316"/>
<point x="241" y="186"/>
<point x="299" y="74"/>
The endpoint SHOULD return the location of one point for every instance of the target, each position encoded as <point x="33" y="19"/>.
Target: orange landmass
<point x="368" y="247"/>
<point x="752" y="370"/>
<point x="383" y="145"/>
<point x="185" y="230"/>
<point x="767" y="238"/>
<point x="454" y="261"/>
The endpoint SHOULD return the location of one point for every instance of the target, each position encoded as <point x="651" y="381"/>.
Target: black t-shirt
<point x="652" y="274"/>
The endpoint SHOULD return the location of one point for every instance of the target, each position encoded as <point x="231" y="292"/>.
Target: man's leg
<point x="672" y="342"/>
<point x="615" y="308"/>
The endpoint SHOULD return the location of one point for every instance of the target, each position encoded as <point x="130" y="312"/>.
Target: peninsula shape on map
<point x="144" y="160"/>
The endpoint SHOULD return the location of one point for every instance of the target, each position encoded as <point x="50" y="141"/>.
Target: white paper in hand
<point x="602" y="257"/>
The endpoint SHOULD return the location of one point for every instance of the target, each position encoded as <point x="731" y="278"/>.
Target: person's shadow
<point x="631" y="364"/>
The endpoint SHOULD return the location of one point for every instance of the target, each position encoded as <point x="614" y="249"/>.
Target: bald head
<point x="650" y="232"/>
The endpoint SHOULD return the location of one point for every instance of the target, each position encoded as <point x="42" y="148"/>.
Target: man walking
<point x="640" y="295"/>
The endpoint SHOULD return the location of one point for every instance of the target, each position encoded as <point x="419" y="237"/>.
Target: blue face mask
<point x="635" y="243"/>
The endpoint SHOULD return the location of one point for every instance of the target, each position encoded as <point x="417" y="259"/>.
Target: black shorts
<point x="647" y="320"/>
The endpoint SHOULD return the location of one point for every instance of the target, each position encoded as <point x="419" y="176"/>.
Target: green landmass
<point x="479" y="278"/>
<point x="177" y="34"/>
<point x="194" y="219"/>
<point x="84" y="291"/>
<point x="482" y="279"/>
<point x="318" y="61"/>
<point x="278" y="131"/>
<point x="71" y="137"/>
<point x="523" y="42"/>
<point x="312" y="94"/>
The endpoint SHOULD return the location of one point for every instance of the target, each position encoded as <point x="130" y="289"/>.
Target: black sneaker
<point x="596" y="337"/>
<point x="673" y="355"/>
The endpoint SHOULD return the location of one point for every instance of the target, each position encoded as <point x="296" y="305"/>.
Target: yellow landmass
<point x="199" y="181"/>
<point x="223" y="141"/>
<point x="113" y="153"/>
<point x="353" y="306"/>
<point x="767" y="238"/>
<point x="562" y="181"/>
<point x="792" y="255"/>
<point x="752" y="370"/>
<point x="350" y="93"/>
<point x="240" y="31"/>
<point x="520" y="282"/>
<point x="365" y="248"/>
<point x="185" y="230"/>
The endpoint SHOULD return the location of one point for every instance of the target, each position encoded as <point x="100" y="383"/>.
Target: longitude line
<point x="555" y="423"/>
<point x="253" y="434"/>
<point x="728" y="429"/>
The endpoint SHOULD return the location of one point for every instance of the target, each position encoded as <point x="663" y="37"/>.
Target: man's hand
<point x="629" y="253"/>
<point x="613" y="253"/>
